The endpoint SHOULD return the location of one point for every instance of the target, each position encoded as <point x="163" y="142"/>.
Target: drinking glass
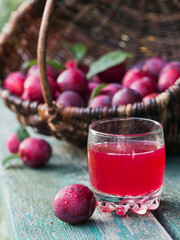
<point x="126" y="162"/>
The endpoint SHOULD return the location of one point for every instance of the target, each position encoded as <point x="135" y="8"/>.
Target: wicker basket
<point x="145" y="28"/>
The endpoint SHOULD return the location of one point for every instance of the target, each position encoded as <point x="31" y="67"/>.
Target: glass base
<point x="121" y="204"/>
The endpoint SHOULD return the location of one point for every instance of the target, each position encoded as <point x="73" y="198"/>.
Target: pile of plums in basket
<point x="70" y="87"/>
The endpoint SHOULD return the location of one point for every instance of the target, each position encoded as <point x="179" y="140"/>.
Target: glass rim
<point x="160" y="127"/>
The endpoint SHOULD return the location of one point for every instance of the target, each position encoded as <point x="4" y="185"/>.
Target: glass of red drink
<point x="126" y="162"/>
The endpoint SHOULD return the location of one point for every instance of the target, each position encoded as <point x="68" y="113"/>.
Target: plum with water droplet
<point x="74" y="204"/>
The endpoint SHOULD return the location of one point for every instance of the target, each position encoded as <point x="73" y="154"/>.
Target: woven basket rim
<point x="162" y="97"/>
<point x="4" y="35"/>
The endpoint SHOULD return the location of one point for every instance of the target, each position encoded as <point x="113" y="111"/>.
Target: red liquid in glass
<point x="131" y="168"/>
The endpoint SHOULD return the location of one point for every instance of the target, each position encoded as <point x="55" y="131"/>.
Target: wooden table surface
<point x="27" y="196"/>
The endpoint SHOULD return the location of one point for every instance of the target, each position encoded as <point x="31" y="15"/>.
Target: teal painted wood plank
<point x="28" y="195"/>
<point x="169" y="211"/>
<point x="4" y="235"/>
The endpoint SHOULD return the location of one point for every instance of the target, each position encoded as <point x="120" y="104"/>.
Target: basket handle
<point x="41" y="51"/>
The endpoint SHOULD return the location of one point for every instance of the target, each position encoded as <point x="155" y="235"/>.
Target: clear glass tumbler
<point x="126" y="162"/>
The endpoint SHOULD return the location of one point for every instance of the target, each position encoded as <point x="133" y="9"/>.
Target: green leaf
<point x="29" y="64"/>
<point x="107" y="61"/>
<point x="22" y="133"/>
<point x="53" y="63"/>
<point x="78" y="50"/>
<point x="56" y="64"/>
<point x="9" y="158"/>
<point x="96" y="91"/>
